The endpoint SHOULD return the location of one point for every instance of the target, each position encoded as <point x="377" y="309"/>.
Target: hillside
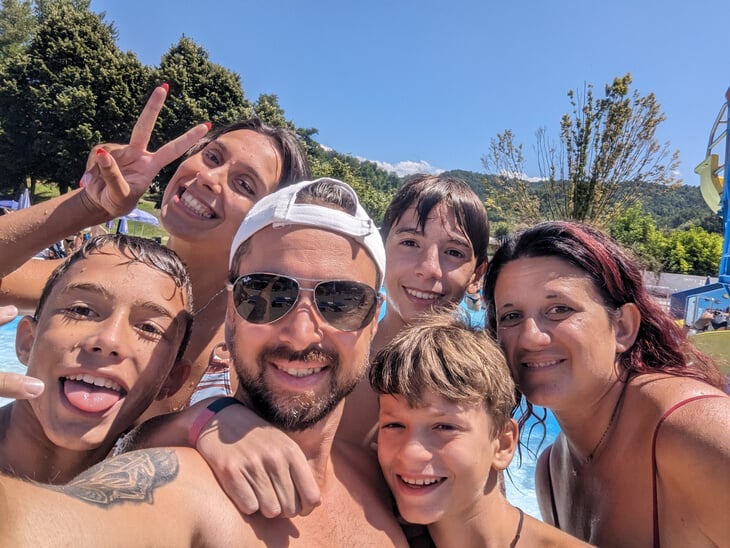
<point x="672" y="207"/>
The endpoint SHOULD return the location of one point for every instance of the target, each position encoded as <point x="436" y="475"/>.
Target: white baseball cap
<point x="280" y="209"/>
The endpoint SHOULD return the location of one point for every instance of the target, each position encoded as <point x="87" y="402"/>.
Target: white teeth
<point x="195" y="205"/>
<point x="537" y="365"/>
<point x="423" y="295"/>
<point x="420" y="482"/>
<point x="96" y="381"/>
<point x="301" y="372"/>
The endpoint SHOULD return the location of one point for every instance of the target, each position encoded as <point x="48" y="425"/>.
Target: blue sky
<point x="430" y="82"/>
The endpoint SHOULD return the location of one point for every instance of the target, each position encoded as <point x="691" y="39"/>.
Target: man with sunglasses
<point x="305" y="268"/>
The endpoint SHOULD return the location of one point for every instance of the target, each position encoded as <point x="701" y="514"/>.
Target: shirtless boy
<point x="446" y="432"/>
<point x="109" y="327"/>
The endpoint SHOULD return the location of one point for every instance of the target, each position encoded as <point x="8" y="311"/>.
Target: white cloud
<point x="521" y="176"/>
<point x="407" y="167"/>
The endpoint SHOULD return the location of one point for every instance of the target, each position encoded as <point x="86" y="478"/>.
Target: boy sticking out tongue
<point x="112" y="322"/>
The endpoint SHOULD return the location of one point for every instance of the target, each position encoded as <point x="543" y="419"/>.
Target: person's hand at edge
<point x="15" y="385"/>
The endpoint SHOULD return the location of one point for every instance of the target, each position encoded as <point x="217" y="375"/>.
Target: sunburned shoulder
<point x="663" y="391"/>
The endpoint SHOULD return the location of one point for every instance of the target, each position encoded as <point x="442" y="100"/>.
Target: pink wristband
<point x="206" y="415"/>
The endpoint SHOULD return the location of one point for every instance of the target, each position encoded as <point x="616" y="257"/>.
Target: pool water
<point x="519" y="480"/>
<point x="8" y="359"/>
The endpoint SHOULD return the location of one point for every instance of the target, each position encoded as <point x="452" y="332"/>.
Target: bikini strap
<point x="654" y="469"/>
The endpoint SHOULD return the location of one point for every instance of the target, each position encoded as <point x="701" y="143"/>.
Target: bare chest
<point x="344" y="519"/>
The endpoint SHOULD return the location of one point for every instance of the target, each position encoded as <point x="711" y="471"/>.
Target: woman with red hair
<point x="643" y="451"/>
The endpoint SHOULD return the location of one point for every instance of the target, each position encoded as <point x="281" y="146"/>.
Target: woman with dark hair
<point x="644" y="447"/>
<point x="225" y="172"/>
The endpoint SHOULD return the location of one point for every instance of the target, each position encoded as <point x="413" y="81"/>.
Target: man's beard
<point x="293" y="412"/>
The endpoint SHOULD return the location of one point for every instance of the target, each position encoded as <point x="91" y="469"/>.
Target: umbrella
<point x="24" y="200"/>
<point x="122" y="227"/>
<point x="142" y="217"/>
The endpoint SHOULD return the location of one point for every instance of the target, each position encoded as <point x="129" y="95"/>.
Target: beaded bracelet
<point x="206" y="415"/>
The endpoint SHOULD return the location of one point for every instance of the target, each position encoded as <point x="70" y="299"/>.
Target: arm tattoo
<point x="131" y="477"/>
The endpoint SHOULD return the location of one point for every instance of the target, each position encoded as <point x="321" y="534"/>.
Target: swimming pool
<point x="519" y="481"/>
<point x="8" y="358"/>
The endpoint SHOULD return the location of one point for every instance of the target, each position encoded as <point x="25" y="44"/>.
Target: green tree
<point x="70" y="90"/>
<point x="374" y="201"/>
<point x="637" y="231"/>
<point x="268" y="109"/>
<point x="17" y="25"/>
<point x="510" y="196"/>
<point x="606" y="151"/>
<point x="693" y="251"/>
<point x="200" y="91"/>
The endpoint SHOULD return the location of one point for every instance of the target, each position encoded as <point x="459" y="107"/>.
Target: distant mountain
<point x="671" y="206"/>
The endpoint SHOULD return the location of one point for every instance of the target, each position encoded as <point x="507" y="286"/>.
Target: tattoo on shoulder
<point x="131" y="477"/>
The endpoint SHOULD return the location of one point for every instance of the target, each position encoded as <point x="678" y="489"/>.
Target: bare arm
<point x="25" y="232"/>
<point x="116" y="177"/>
<point x="259" y="467"/>
<point x="693" y="452"/>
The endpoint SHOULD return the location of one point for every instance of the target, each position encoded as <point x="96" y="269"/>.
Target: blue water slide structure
<point x="714" y="171"/>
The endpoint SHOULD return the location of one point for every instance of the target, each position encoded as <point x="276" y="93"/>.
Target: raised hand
<point x="118" y="175"/>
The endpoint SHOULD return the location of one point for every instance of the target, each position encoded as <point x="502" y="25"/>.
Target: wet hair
<point x="137" y="250"/>
<point x="294" y="165"/>
<point x="325" y="192"/>
<point x="661" y="345"/>
<point x="426" y="192"/>
<point x="442" y="354"/>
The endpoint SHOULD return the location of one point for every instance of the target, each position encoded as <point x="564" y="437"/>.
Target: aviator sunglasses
<point x="262" y="298"/>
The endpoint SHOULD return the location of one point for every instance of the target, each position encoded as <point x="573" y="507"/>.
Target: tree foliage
<point x="607" y="148"/>
<point x="200" y="91"/>
<point x="69" y="88"/>
<point x="17" y="25"/>
<point x="691" y="250"/>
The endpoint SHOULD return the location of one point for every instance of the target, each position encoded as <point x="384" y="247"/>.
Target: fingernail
<point x="103" y="157"/>
<point x="32" y="386"/>
<point x="166" y="86"/>
<point x="7" y="313"/>
<point x="85" y="180"/>
<point x="209" y="125"/>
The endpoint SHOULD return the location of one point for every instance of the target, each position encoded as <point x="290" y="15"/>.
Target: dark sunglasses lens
<point x="346" y="305"/>
<point x="264" y="298"/>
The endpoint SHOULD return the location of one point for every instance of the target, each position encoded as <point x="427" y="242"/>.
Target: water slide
<point x="714" y="171"/>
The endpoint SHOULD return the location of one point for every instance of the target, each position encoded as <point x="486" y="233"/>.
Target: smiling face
<point x="296" y="369"/>
<point x="559" y="339"/>
<point x="213" y="190"/>
<point x="428" y="267"/>
<point x="437" y="459"/>
<point x="104" y="343"/>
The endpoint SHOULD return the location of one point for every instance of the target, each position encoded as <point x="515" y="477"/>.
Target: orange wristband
<point x="205" y="417"/>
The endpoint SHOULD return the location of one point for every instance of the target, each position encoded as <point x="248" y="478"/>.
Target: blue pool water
<point x="520" y="480"/>
<point x="8" y="359"/>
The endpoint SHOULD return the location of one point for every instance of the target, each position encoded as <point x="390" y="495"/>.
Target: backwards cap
<point x="279" y="209"/>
